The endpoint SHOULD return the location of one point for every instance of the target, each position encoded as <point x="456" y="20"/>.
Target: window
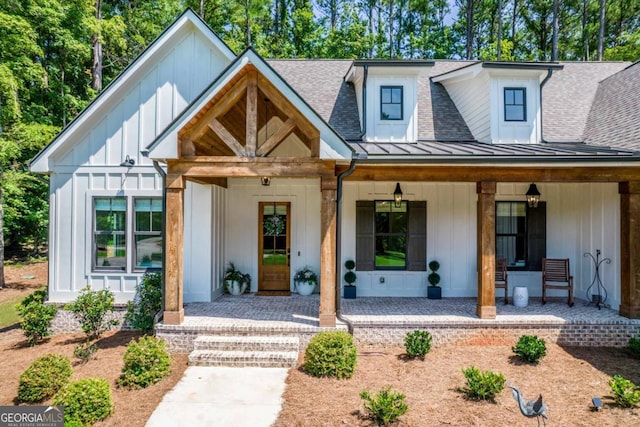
<point x="515" y="108"/>
<point x="389" y="237"/>
<point x="109" y="235"/>
<point x="521" y="234"/>
<point x="148" y="232"/>
<point x="390" y="102"/>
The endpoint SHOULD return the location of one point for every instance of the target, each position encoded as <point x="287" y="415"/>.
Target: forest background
<point x="58" y="55"/>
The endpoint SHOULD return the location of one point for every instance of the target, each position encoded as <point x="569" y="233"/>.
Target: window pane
<point x="386" y="95"/>
<point x="110" y="214"/>
<point x="518" y="95"/>
<point x="149" y="251"/>
<point x="391" y="251"/>
<point x="143" y="221"/>
<point x="391" y="111"/>
<point x="396" y="95"/>
<point x="111" y="251"/>
<point x="511" y="232"/>
<point x="508" y="97"/>
<point x="514" y="113"/>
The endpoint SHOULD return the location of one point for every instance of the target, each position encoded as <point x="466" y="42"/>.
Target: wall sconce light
<point x="128" y="162"/>
<point x="533" y="196"/>
<point x="397" y="195"/>
<point x="265" y="181"/>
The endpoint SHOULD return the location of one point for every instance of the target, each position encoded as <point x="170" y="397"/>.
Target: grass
<point x="8" y="313"/>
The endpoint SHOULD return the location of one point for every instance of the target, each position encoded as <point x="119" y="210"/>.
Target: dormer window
<point x="390" y="102"/>
<point x="515" y="104"/>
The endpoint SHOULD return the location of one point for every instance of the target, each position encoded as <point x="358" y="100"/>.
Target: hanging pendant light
<point x="533" y="196"/>
<point x="397" y="195"/>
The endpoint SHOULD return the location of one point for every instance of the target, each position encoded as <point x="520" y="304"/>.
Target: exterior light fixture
<point x="533" y="196"/>
<point x="265" y="181"/>
<point x="397" y="195"/>
<point x="128" y="162"/>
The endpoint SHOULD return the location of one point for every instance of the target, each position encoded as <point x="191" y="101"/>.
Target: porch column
<point x="486" y="249"/>
<point x="630" y="249"/>
<point x="174" y="216"/>
<point x="329" y="187"/>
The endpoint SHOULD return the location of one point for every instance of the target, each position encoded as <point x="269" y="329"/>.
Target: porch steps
<point x="240" y="351"/>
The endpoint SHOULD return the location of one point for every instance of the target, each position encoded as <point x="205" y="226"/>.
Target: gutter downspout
<point x="549" y="73"/>
<point x="352" y="167"/>
<point x="364" y="102"/>
<point x="163" y="176"/>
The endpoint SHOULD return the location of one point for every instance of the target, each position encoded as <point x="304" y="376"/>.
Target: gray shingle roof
<point x="614" y="119"/>
<point x="320" y="83"/>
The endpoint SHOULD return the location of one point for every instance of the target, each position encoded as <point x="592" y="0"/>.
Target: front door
<point x="274" y="248"/>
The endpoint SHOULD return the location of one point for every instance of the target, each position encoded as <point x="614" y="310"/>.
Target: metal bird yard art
<point x="530" y="408"/>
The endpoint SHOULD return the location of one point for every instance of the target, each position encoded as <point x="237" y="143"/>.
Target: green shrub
<point x="85" y="401"/>
<point x="36" y="317"/>
<point x="417" y="343"/>
<point x="142" y="310"/>
<point x="85" y="351"/>
<point x="145" y="363"/>
<point x="625" y="393"/>
<point x="331" y="354"/>
<point x="44" y="377"/>
<point x="91" y="308"/>
<point x="530" y="348"/>
<point x="385" y="406"/>
<point x="482" y="385"/>
<point x="634" y="344"/>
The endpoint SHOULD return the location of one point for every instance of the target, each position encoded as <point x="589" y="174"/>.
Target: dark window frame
<point x="401" y="103"/>
<point x="534" y="236"/>
<point x="136" y="233"/>
<point x="95" y="233"/>
<point x="377" y="234"/>
<point x="523" y="90"/>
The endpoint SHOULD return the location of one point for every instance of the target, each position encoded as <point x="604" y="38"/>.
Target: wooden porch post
<point x="486" y="249"/>
<point x="630" y="249"/>
<point x="174" y="215"/>
<point x="329" y="187"/>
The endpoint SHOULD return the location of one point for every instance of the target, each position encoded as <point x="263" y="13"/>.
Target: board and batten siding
<point x="526" y="132"/>
<point x="88" y="164"/>
<point x="472" y="100"/>
<point x="580" y="218"/>
<point x="404" y="130"/>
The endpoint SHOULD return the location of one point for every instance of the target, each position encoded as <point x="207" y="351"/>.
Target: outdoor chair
<point x="556" y="275"/>
<point x="501" y="281"/>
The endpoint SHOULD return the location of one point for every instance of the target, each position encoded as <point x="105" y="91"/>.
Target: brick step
<point x="264" y="359"/>
<point x="247" y="343"/>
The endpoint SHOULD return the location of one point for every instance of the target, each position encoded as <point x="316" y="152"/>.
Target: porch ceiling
<point x="249" y="117"/>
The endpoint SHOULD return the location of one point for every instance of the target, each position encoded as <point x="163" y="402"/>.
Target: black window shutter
<point x="417" y="239"/>
<point x="365" y="235"/>
<point x="536" y="236"/>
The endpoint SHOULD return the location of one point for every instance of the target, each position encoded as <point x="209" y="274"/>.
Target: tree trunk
<point x="202" y="9"/>
<point x="371" y="26"/>
<point x="554" y="38"/>
<point x="248" y="23"/>
<point x="96" y="68"/>
<point x="1" y="238"/>
<point x="499" y="38"/>
<point x="603" y="4"/>
<point x="469" y="34"/>
<point x="585" y="34"/>
<point x="391" y="29"/>
<point x="513" y="24"/>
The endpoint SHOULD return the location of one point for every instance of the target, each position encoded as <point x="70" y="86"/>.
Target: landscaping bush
<point x="43" y="378"/>
<point x="145" y="363"/>
<point x="634" y="344"/>
<point x="85" y="351"/>
<point x="385" y="406"/>
<point x="417" y="343"/>
<point x="530" y="348"/>
<point x="85" y="401"/>
<point x="331" y="354"/>
<point x="625" y="393"/>
<point x="36" y="317"/>
<point x="482" y="385"/>
<point x="91" y="308"/>
<point x="142" y="310"/>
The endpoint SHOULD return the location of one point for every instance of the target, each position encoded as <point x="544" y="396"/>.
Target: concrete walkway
<point x="220" y="397"/>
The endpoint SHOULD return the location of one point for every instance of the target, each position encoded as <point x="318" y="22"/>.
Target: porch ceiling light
<point x="533" y="196"/>
<point x="265" y="181"/>
<point x="397" y="195"/>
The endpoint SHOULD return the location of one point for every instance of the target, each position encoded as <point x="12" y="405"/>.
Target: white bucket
<point x="520" y="296"/>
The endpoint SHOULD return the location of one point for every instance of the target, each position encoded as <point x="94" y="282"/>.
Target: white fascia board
<point x="41" y="164"/>
<point x="461" y="74"/>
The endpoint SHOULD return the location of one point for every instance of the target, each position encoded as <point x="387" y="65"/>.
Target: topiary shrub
<point x="625" y="393"/>
<point x="36" y="317"/>
<point x="482" y="385"/>
<point x="634" y="344"/>
<point x="43" y="378"/>
<point x="91" y="308"/>
<point x="85" y="401"/>
<point x="141" y="312"/>
<point x="417" y="343"/>
<point x="385" y="406"/>
<point x="530" y="348"/>
<point x="145" y="363"/>
<point x="331" y="354"/>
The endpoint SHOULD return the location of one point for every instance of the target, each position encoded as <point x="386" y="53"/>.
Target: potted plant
<point x="434" y="291"/>
<point x="235" y="281"/>
<point x="350" y="277"/>
<point x="305" y="281"/>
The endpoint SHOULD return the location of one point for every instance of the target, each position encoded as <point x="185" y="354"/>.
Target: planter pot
<point x="234" y="287"/>
<point x="305" y="288"/>
<point x="350" y="292"/>
<point x="434" y="292"/>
